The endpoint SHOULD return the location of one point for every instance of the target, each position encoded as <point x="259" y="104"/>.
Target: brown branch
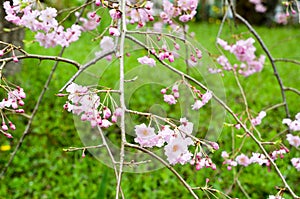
<point x="287" y="60"/>
<point x="43" y="57"/>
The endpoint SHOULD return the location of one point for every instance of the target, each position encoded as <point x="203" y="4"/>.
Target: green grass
<point x="42" y="170"/>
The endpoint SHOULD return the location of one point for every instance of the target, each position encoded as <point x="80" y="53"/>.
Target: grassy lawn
<point x="42" y="170"/>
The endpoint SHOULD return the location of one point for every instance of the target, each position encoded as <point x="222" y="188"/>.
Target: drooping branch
<point x="271" y="59"/>
<point x="226" y="107"/>
<point x="43" y="57"/>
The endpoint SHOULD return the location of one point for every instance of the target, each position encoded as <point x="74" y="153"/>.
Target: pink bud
<point x="171" y="58"/>
<point x="140" y="24"/>
<point x="193" y="58"/>
<point x="83" y="154"/>
<point x="11" y="126"/>
<point x="118" y="112"/>
<point x="20" y="111"/>
<point x="199" y="53"/>
<point x="214" y="145"/>
<point x="151" y="18"/>
<point x="176" y="46"/>
<point x="93" y="14"/>
<point x="153" y="51"/>
<point x="207" y="180"/>
<point x="213" y="166"/>
<point x="4" y="127"/>
<point x="198" y="167"/>
<point x="229" y="168"/>
<point x="163" y="91"/>
<point x="15" y="59"/>
<point x="106" y="113"/>
<point x="175" y="88"/>
<point x="192" y="162"/>
<point x="8" y="135"/>
<point x="60" y="95"/>
<point x="98" y="2"/>
<point x="114" y="119"/>
<point x="21" y="102"/>
<point x="1" y="53"/>
<point x="176" y="94"/>
<point x="294" y="12"/>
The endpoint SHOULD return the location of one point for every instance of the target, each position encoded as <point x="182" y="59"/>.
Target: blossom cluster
<point x="244" y="51"/>
<point x="293" y="125"/>
<point x="184" y="9"/>
<point x="257" y="121"/>
<point x="49" y="32"/>
<point x="259" y="7"/>
<point x="257" y="158"/>
<point x="176" y="143"/>
<point x="171" y="97"/>
<point x="87" y="104"/>
<point x="200" y="99"/>
<point x="12" y="103"/>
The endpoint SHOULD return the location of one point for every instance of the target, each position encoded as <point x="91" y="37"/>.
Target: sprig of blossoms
<point x="185" y="10"/>
<point x="48" y="31"/>
<point x="244" y="51"/>
<point x="86" y="103"/>
<point x="11" y="103"/>
<point x="175" y="142"/>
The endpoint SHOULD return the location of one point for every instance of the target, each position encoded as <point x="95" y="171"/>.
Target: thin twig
<point x="287" y="60"/>
<point x="292" y="89"/>
<point x="71" y="149"/>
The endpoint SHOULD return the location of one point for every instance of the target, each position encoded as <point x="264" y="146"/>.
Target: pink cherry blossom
<point x="296" y="163"/>
<point x="146" y="136"/>
<point x="243" y="160"/>
<point x="177" y="150"/>
<point x="147" y="60"/>
<point x="293" y="140"/>
<point x="170" y="99"/>
<point x="197" y="105"/>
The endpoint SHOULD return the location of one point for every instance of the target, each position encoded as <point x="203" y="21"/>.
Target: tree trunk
<point x="14" y="37"/>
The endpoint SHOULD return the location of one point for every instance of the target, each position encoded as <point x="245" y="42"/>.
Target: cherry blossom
<point x="293" y="125"/>
<point x="243" y="160"/>
<point x="177" y="150"/>
<point x="170" y="99"/>
<point x="147" y="60"/>
<point x="257" y="121"/>
<point x="244" y="51"/>
<point x="296" y="163"/>
<point x="146" y="136"/>
<point x="293" y="140"/>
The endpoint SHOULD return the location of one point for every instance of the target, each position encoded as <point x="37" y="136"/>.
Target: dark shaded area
<point x="247" y="10"/>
